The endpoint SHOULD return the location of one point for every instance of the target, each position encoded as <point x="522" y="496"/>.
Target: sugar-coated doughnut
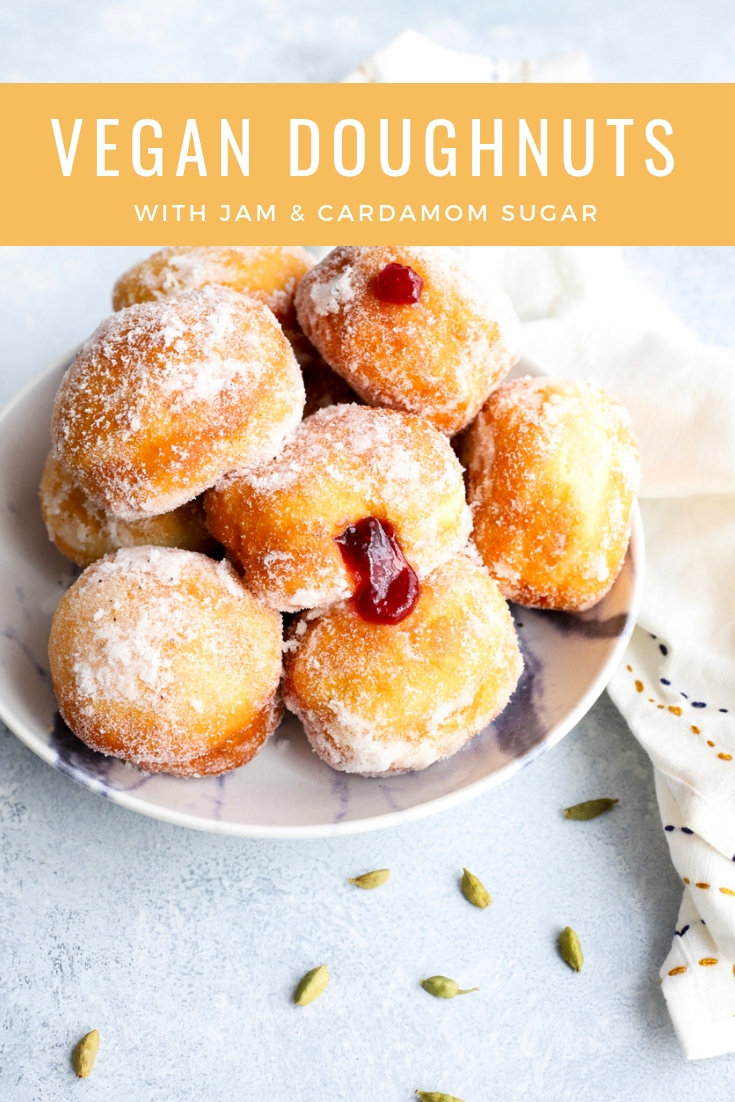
<point x="343" y="464"/>
<point x="267" y="272"/>
<point x="84" y="532"/>
<point x="438" y="356"/>
<point x="323" y="386"/>
<point x="163" y="658"/>
<point x="553" y="466"/>
<point x="167" y="397"/>
<point x="378" y="699"/>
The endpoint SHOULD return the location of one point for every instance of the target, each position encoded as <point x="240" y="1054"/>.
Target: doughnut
<point x="344" y="464"/>
<point x="410" y="329"/>
<point x="377" y="699"/>
<point x="84" y="532"/>
<point x="323" y="386"/>
<point x="167" y="397"/>
<point x="553" y="466"/>
<point x="267" y="272"/>
<point x="163" y="658"/>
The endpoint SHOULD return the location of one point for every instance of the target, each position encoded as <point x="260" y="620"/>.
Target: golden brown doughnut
<point x="323" y="386"/>
<point x="341" y="465"/>
<point x="439" y="357"/>
<point x="378" y="699"/>
<point x="162" y="657"/>
<point x="84" y="532"/>
<point x="553" y="466"/>
<point x="267" y="272"/>
<point x="167" y="397"/>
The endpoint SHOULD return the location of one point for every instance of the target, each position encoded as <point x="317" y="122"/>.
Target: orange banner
<point x="527" y="164"/>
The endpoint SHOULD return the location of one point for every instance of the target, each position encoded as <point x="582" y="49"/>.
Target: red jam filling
<point x="387" y="587"/>
<point x="399" y="284"/>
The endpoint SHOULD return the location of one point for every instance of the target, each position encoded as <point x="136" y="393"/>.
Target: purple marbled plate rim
<point x="92" y="779"/>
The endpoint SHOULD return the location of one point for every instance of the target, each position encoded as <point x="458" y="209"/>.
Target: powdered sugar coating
<point x="163" y="658"/>
<point x="84" y="532"/>
<point x="342" y="464"/>
<point x="166" y="397"/>
<point x="378" y="699"/>
<point x="269" y="273"/>
<point x="439" y="357"/>
<point x="330" y="295"/>
<point x="553" y="467"/>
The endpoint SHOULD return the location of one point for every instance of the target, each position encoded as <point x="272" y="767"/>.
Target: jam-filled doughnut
<point x="378" y="699"/>
<point x="84" y="532"/>
<point x="167" y="397"/>
<point x="282" y="520"/>
<point x="553" y="467"/>
<point x="163" y="658"/>
<point x="409" y="328"/>
<point x="267" y="272"/>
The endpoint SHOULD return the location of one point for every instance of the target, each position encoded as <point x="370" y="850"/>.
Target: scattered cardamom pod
<point x="85" y="1052"/>
<point x="441" y="987"/>
<point x="437" y="1096"/>
<point x="570" y="949"/>
<point x="312" y="985"/>
<point x="371" y="879"/>
<point x="590" y="809"/>
<point x="474" y="890"/>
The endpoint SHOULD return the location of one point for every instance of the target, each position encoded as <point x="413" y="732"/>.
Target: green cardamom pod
<point x="590" y="809"/>
<point x="371" y="879"/>
<point x="441" y="987"/>
<point x="85" y="1052"/>
<point x="474" y="890"/>
<point x="570" y="949"/>
<point x="437" y="1096"/>
<point x="312" y="985"/>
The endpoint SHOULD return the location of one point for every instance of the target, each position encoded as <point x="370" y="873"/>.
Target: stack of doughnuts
<point x="296" y="419"/>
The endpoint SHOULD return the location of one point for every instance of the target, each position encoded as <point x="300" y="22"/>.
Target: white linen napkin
<point x="586" y="316"/>
<point x="413" y="59"/>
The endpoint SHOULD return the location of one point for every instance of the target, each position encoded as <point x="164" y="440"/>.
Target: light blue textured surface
<point x="292" y="40"/>
<point x="183" y="949"/>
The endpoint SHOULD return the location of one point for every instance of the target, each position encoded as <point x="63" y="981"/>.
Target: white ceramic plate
<point x="286" y="792"/>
